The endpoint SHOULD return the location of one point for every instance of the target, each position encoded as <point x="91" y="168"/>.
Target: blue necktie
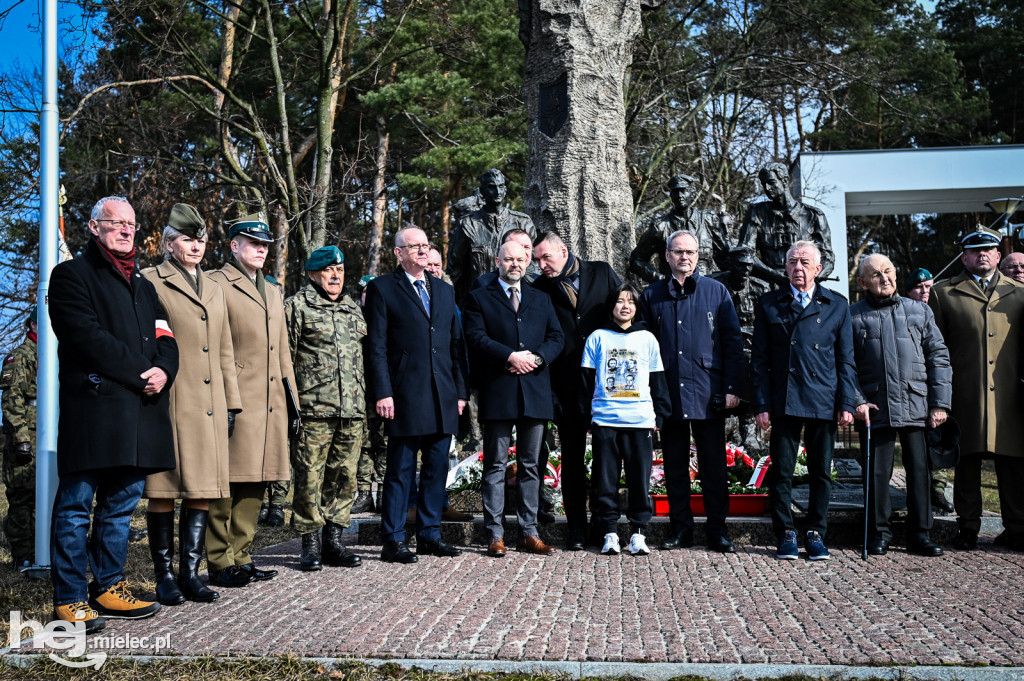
<point x="423" y="296"/>
<point x="805" y="298"/>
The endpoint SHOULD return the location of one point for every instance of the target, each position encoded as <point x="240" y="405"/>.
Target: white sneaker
<point x="638" y="545"/>
<point x="611" y="545"/>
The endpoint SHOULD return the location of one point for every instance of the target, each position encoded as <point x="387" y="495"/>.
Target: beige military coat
<point x="203" y="390"/>
<point x="259" y="447"/>
<point x="984" y="336"/>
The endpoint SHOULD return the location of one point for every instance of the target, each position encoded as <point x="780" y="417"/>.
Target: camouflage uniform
<point x="327" y="351"/>
<point x="277" y="491"/>
<point x="18" y="382"/>
<point x="373" y="458"/>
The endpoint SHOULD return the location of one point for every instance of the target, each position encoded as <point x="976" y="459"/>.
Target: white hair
<point x="97" y="210"/>
<point x="809" y="245"/>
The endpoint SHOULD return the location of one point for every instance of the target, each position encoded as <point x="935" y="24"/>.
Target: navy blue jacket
<point x="802" y="358"/>
<point x="419" y="362"/>
<point x="597" y="281"/>
<point x="701" y="342"/>
<point x="494" y="330"/>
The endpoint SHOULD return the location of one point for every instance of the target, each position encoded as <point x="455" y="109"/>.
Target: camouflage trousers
<point x="324" y="462"/>
<point x="20" y="524"/>
<point x="374" y="455"/>
<point x="277" y="491"/>
<point x="941" y="479"/>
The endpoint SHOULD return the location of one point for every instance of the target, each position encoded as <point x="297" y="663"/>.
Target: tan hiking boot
<point x="117" y="602"/>
<point x="80" y="612"/>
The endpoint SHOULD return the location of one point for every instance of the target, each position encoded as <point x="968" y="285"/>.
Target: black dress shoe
<point x="925" y="547"/>
<point x="721" y="545"/>
<point x="877" y="547"/>
<point x="678" y="539"/>
<point x="545" y="518"/>
<point x="965" y="541"/>
<point x="397" y="552"/>
<point x="432" y="547"/>
<point x="258" y="574"/>
<point x="574" y="540"/>
<point x="232" y="576"/>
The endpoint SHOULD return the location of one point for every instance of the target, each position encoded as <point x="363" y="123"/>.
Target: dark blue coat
<point x="419" y="362"/>
<point x="701" y="342"/>
<point x="597" y="281"/>
<point x="494" y="330"/>
<point x="802" y="358"/>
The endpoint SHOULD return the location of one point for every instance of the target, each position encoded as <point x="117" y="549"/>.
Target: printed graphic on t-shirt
<point x="620" y="373"/>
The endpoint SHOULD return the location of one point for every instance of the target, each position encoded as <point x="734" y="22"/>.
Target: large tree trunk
<point x="379" y="198"/>
<point x="577" y="53"/>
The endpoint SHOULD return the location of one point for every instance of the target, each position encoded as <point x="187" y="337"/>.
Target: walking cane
<point x="867" y="482"/>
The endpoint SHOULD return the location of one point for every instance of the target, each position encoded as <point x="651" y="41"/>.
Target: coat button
<point x="146" y="338"/>
<point x="206" y="349"/>
<point x="992" y="388"/>
<point x="815" y="346"/>
<point x="271" y="409"/>
<point x="271" y="379"/>
<point x="792" y="342"/>
<point x="206" y="380"/>
<point x="209" y="413"/>
<point x="522" y="345"/>
<point x="991" y="361"/>
<point x="519" y="319"/>
<point x="819" y="320"/>
<point x="271" y="348"/>
<point x="990" y="335"/>
<point x="203" y="318"/>
<point x="792" y="370"/>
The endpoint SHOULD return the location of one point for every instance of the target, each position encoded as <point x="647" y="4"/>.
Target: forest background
<point x="344" y="120"/>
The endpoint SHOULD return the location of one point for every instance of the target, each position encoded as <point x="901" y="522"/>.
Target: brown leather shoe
<point x="534" y="545"/>
<point x="454" y="515"/>
<point x="496" y="549"/>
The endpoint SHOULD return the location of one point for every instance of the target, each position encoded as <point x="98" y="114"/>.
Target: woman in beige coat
<point x="203" y="403"/>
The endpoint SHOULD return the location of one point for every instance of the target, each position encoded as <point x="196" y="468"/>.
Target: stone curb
<point x="613" y="670"/>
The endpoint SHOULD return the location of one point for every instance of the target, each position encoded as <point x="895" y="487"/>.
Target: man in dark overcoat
<point x="418" y="381"/>
<point x="804" y="380"/>
<point x="512" y="335"/>
<point x="117" y="358"/>
<point x="980" y="313"/>
<point x="579" y="290"/>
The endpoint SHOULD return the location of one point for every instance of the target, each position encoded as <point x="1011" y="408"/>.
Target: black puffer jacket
<point x="902" y="361"/>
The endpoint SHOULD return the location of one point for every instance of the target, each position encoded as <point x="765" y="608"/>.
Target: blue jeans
<point x="117" y="492"/>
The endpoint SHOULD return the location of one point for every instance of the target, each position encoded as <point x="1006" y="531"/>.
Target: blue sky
<point x="20" y="37"/>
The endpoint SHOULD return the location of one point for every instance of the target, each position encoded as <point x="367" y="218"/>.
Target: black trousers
<point x="615" y="448"/>
<point x="819" y="440"/>
<point x="572" y="433"/>
<point x="967" y="493"/>
<point x="915" y="461"/>
<point x="709" y="436"/>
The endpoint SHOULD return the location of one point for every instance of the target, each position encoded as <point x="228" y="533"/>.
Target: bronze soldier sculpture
<point x="708" y="226"/>
<point x="477" y="236"/>
<point x="771" y="227"/>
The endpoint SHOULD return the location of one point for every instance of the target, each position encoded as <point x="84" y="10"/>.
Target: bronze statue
<point x="771" y="227"/>
<point x="477" y="236"/>
<point x="708" y="226"/>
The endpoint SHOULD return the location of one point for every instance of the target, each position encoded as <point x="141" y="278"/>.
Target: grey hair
<point x="864" y="261"/>
<point x="169" y="235"/>
<point x="400" y="234"/>
<point x="97" y="210"/>
<point x="678" y="233"/>
<point x="805" y="244"/>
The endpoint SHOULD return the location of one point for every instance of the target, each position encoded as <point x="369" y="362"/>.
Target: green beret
<point x="322" y="258"/>
<point x="983" y="237"/>
<point x="33" y="316"/>
<point x="253" y="226"/>
<point x="365" y="281"/>
<point x="917" y="276"/>
<point x="187" y="220"/>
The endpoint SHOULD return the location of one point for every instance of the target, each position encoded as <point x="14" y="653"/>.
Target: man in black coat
<point x="804" y="380"/>
<point x="579" y="291"/>
<point x="512" y="334"/>
<point x="416" y="367"/>
<point x="117" y="359"/>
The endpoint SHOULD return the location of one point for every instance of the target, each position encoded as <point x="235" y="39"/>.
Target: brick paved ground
<point x="681" y="606"/>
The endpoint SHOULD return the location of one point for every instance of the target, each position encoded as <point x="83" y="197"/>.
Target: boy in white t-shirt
<point x="630" y="398"/>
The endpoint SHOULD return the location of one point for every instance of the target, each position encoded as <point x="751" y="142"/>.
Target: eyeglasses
<point x="679" y="253"/>
<point x="120" y="224"/>
<point x="422" y="248"/>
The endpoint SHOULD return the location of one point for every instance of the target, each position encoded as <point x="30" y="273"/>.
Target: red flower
<point x="747" y="461"/>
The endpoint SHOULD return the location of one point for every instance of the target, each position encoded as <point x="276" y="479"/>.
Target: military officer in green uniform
<point x="373" y="457"/>
<point x="325" y="333"/>
<point x="18" y="382"/>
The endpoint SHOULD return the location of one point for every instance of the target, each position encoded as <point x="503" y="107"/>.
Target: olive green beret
<point x="322" y="258"/>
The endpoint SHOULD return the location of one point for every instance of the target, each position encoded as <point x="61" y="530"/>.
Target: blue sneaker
<point x="787" y="547"/>
<point x="816" y="549"/>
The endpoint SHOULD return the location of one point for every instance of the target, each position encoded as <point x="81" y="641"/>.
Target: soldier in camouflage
<point x="18" y="382"/>
<point x="373" y="457"/>
<point x="325" y="333"/>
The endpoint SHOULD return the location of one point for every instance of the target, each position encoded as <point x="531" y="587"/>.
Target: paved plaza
<point x="687" y="606"/>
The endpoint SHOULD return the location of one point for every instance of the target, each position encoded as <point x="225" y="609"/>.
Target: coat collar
<point x="525" y="294"/>
<point x="171" y="276"/>
<point x="243" y="283"/>
<point x="402" y="279"/>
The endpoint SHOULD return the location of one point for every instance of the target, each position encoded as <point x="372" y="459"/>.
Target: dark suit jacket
<point x="494" y="330"/>
<point x="107" y="328"/>
<point x="419" y="362"/>
<point x="597" y="281"/>
<point x="802" y="358"/>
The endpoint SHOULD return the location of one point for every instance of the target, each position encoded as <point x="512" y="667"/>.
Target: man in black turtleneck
<point x="904" y="376"/>
<point x="578" y="290"/>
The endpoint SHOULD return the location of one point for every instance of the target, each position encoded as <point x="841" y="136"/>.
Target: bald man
<point x="904" y="377"/>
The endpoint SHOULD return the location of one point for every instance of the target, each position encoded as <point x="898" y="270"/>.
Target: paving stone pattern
<point x="680" y="606"/>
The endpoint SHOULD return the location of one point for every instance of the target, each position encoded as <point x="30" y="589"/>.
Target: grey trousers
<point x="497" y="435"/>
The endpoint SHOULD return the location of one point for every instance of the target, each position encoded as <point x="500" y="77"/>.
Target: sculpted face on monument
<point x="492" y="189"/>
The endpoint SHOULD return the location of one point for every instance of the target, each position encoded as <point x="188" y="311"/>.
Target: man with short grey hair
<point x="1012" y="265"/>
